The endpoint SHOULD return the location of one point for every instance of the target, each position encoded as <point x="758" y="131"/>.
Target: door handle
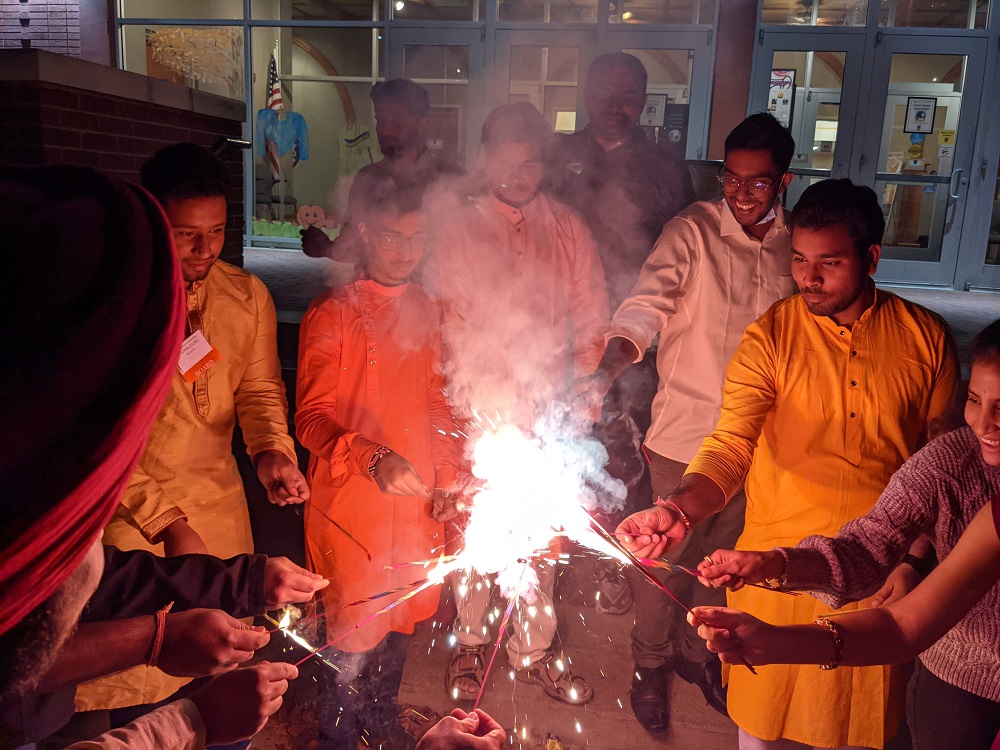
<point x="952" y="189"/>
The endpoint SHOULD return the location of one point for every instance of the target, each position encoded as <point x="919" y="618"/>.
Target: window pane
<point x="580" y="11"/>
<point x="207" y="58"/>
<point x="993" y="243"/>
<point x="453" y="10"/>
<point x="936" y="14"/>
<point x="305" y="155"/>
<point x="668" y="92"/>
<point x="444" y="72"/>
<point x="657" y="11"/>
<point x="818" y="13"/>
<point x="546" y="77"/>
<point x="914" y="220"/>
<point x="317" y="10"/>
<point x="212" y="9"/>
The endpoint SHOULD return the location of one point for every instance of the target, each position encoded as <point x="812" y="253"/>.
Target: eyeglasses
<point x="394" y="243"/>
<point x="731" y="185"/>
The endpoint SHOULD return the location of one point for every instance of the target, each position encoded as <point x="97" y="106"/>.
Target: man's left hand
<point x="281" y="478"/>
<point x="287" y="583"/>
<point x="900" y="582"/>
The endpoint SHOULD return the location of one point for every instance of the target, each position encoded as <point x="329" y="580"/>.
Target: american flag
<point x="273" y="102"/>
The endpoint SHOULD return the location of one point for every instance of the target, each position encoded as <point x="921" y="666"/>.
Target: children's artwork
<point x="311" y="216"/>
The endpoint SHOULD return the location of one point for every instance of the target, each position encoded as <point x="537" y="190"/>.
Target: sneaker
<point x="614" y="594"/>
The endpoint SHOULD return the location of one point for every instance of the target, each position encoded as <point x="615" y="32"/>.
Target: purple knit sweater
<point x="937" y="491"/>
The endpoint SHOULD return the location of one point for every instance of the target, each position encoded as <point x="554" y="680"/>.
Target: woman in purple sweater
<point x="954" y="696"/>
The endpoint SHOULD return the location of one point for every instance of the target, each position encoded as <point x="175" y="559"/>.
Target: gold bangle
<point x="838" y="642"/>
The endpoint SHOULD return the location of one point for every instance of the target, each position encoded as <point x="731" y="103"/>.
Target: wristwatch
<point x="922" y="565"/>
<point x="776" y="583"/>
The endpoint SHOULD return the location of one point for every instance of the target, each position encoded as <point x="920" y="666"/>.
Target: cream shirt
<point x="704" y="282"/>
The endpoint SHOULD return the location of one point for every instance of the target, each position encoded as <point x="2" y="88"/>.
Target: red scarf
<point x="90" y="327"/>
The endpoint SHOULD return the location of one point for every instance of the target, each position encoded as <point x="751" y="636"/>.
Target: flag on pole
<point x="273" y="102"/>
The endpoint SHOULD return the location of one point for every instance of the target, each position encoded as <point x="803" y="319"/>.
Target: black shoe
<point x="707" y="676"/>
<point x="649" y="698"/>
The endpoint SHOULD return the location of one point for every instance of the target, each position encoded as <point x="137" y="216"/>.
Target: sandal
<point x="467" y="665"/>
<point x="567" y="687"/>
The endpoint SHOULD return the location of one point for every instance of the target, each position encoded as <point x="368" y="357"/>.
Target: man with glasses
<point x="717" y="266"/>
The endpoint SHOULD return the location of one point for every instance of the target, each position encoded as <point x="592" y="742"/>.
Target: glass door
<point x="918" y="147"/>
<point x="812" y="83"/>
<point x="679" y="89"/>
<point x="449" y="64"/>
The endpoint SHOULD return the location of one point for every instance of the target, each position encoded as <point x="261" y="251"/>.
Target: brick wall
<point x="49" y="123"/>
<point x="52" y="25"/>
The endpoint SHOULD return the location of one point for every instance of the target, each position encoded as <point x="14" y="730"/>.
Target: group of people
<point x="797" y="426"/>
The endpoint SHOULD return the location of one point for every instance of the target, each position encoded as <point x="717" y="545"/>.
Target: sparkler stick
<point x="342" y="530"/>
<point x="391" y="605"/>
<point x="647" y="574"/>
<point x="675" y="568"/>
<point x="300" y="641"/>
<point x="503" y="626"/>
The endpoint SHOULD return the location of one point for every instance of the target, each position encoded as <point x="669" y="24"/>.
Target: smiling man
<point x="186" y="494"/>
<point x="828" y="393"/>
<point x="716" y="267"/>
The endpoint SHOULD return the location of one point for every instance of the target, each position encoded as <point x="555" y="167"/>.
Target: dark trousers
<point x="942" y="716"/>
<point x="360" y="700"/>
<point x="661" y="631"/>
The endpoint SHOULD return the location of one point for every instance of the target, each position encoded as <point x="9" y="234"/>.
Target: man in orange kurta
<point x="372" y="412"/>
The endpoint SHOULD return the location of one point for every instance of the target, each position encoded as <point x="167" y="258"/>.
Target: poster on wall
<point x="781" y="95"/>
<point x="920" y="114"/>
<point x="652" y="113"/>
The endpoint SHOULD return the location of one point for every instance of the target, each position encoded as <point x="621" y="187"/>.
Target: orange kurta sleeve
<point x="320" y="363"/>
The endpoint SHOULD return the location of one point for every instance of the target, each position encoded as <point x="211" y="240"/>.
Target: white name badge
<point x="198" y="356"/>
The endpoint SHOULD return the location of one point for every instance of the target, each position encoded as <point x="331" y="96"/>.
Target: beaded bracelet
<point x="684" y="519"/>
<point x="838" y="642"/>
<point x="161" y="621"/>
<point x="380" y="453"/>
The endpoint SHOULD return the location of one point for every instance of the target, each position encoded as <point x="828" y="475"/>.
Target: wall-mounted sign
<point x="920" y="114"/>
<point x="652" y="113"/>
<point x="781" y="95"/>
<point x="946" y="138"/>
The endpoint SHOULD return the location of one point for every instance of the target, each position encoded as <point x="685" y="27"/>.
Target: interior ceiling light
<point x="627" y="15"/>
<point x="400" y="4"/>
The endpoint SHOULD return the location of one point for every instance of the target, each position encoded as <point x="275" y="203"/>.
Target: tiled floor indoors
<point x="597" y="644"/>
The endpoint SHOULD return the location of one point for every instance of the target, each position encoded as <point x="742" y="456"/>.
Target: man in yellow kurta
<point x="186" y="492"/>
<point x="829" y="392"/>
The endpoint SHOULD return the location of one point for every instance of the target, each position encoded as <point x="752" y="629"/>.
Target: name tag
<point x="198" y="356"/>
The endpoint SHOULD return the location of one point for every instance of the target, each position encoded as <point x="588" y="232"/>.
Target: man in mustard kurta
<point x="828" y="393"/>
<point x="186" y="493"/>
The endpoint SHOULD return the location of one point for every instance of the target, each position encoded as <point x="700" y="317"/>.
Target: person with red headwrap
<point x="85" y="362"/>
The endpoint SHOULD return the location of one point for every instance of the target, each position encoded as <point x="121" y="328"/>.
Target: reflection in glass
<point x="580" y="11"/>
<point x="454" y="10"/>
<point x="547" y="77"/>
<point x="815" y="12"/>
<point x="657" y="11"/>
<point x="935" y="14"/>
<point x="317" y="10"/>
<point x="444" y="71"/>
<point x="813" y="109"/>
<point x="914" y="219"/>
<point x="207" y="58"/>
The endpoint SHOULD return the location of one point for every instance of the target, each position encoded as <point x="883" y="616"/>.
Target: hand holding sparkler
<point x="202" y="642"/>
<point x="733" y="569"/>
<point x="476" y="730"/>
<point x="281" y="477"/>
<point x="394" y="475"/>
<point x="649" y="533"/>
<point x="287" y="583"/>
<point x="737" y="637"/>
<point x="237" y="705"/>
